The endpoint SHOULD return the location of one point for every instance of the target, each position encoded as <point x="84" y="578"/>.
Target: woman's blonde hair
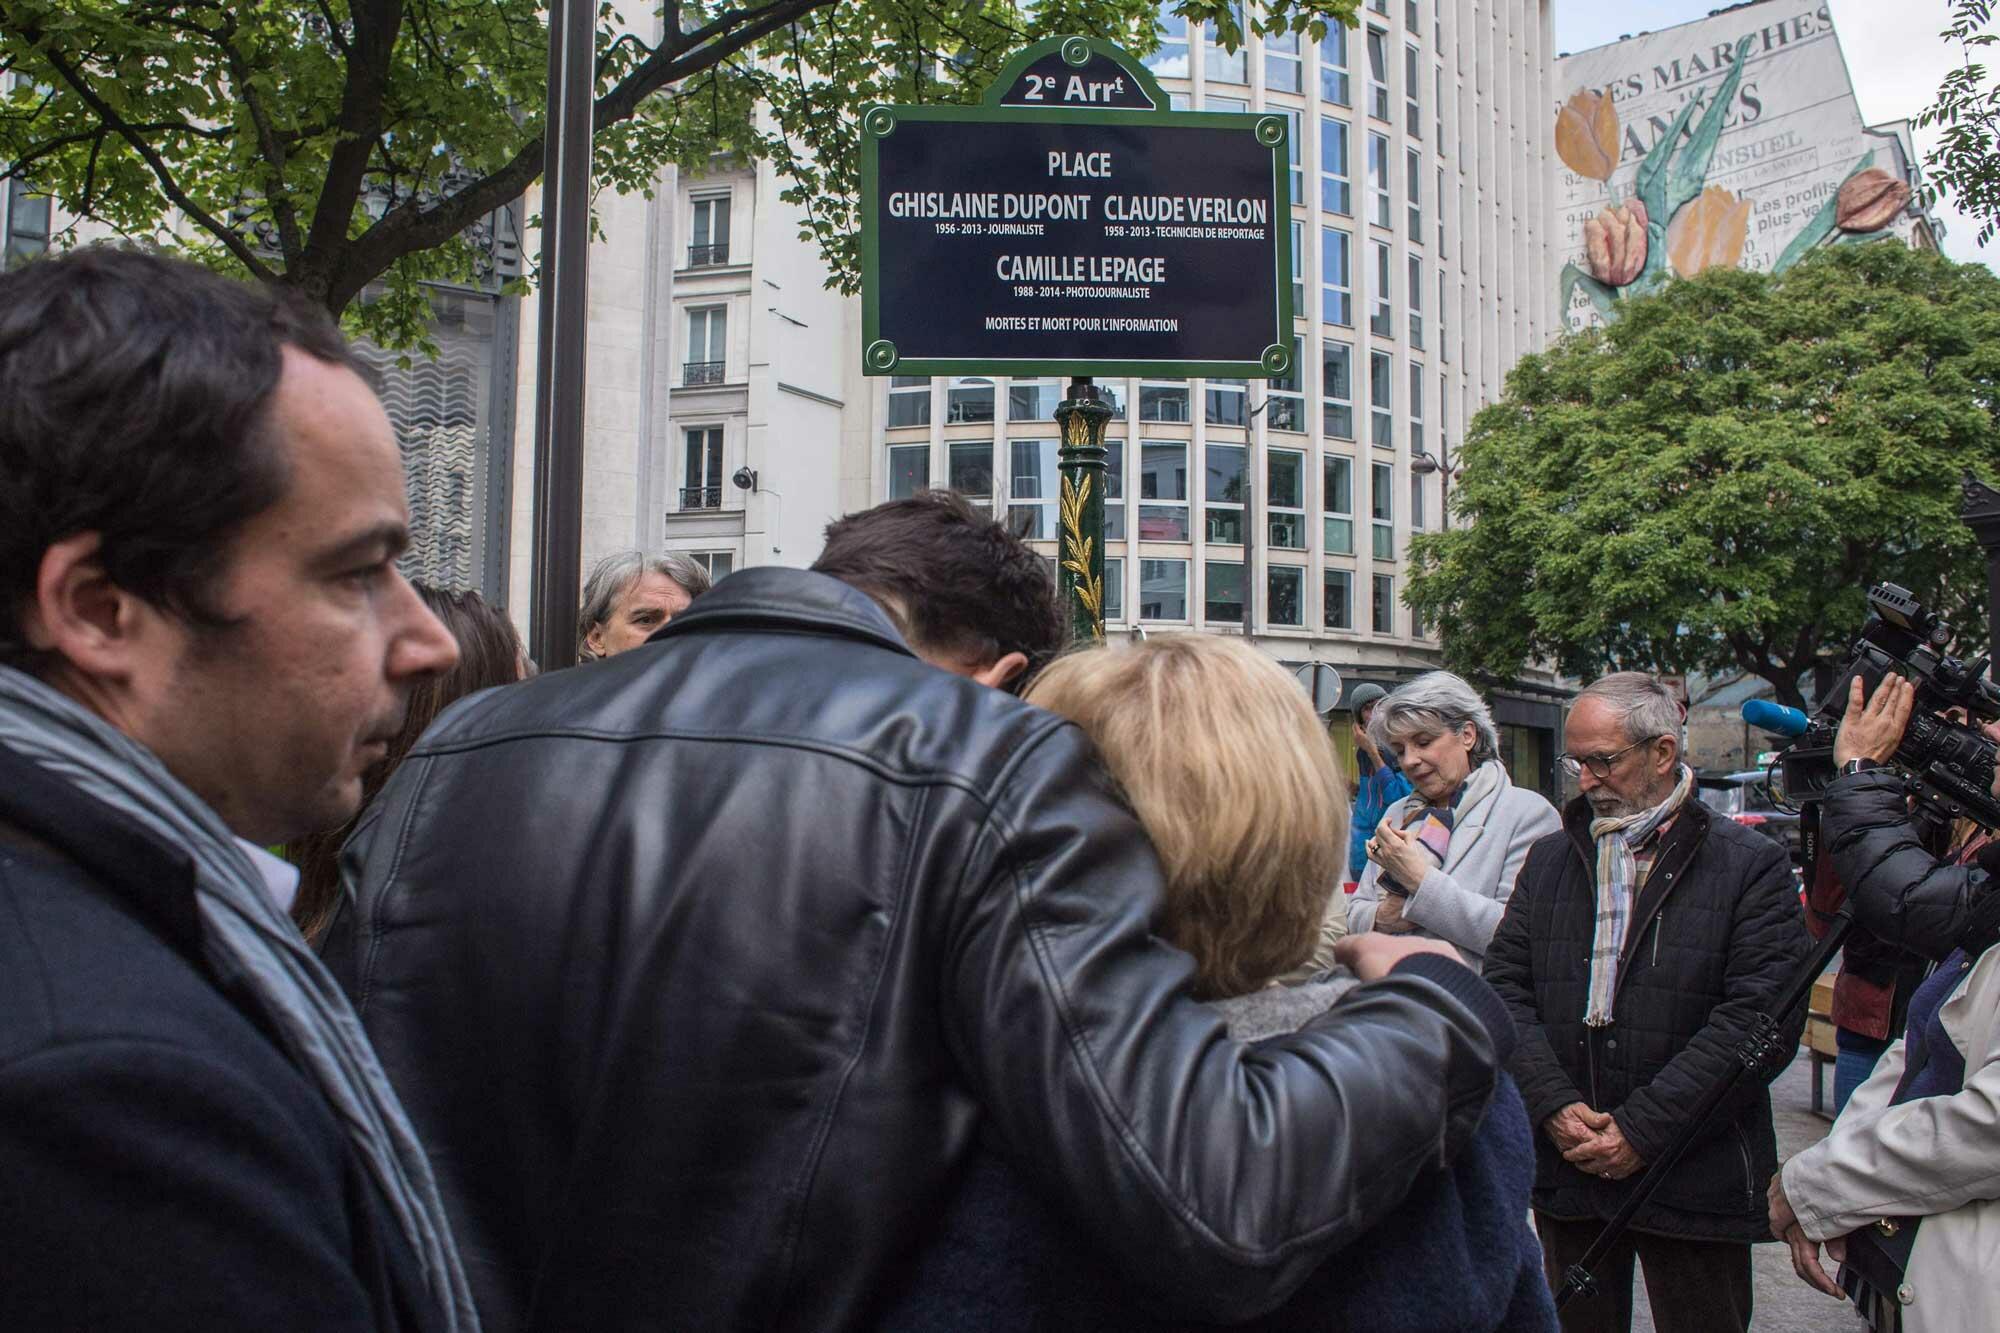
<point x="1236" y="781"/>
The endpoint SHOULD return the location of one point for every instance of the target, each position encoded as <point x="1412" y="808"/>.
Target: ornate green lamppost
<point x="1081" y="419"/>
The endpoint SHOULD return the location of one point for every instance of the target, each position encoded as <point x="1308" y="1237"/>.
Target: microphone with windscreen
<point x="1775" y="718"/>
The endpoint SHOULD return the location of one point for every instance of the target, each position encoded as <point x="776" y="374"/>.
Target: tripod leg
<point x="1608" y="1308"/>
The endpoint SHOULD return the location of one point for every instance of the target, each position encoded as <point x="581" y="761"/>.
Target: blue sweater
<point x="1379" y="787"/>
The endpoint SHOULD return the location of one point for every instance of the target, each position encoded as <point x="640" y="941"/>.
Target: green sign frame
<point x="881" y="357"/>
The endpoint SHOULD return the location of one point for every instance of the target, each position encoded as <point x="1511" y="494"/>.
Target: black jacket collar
<point x="777" y="597"/>
<point x="1683" y="838"/>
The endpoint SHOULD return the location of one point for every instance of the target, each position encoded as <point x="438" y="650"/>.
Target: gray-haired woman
<point x="1443" y="860"/>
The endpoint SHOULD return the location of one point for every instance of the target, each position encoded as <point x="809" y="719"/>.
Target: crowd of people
<point x="841" y="948"/>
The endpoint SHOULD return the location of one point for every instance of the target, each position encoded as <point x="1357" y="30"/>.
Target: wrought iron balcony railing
<point x="701" y="497"/>
<point x="704" y="256"/>
<point x="702" y="372"/>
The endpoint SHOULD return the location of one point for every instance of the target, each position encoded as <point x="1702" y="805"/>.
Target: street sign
<point x="1322" y="683"/>
<point x="1072" y="225"/>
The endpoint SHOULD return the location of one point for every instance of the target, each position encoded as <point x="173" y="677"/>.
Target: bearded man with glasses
<point x="1638" y="946"/>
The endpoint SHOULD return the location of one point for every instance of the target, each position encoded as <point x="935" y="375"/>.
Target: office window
<point x="1418" y="509"/>
<point x="701" y="476"/>
<point x="968" y="401"/>
<point x="1333" y="65"/>
<point x="1165" y="401"/>
<point x="1378" y="74"/>
<point x="1442" y="251"/>
<point x="1299" y="310"/>
<point x="1171" y="60"/>
<point x="969" y="468"/>
<point x="1034" y="485"/>
<point x="1381" y="399"/>
<point x="1413" y="181"/>
<point x="1382" y="509"/>
<point x="1294" y="151"/>
<point x="1378" y="179"/>
<point x="1163" y="492"/>
<point x="1225" y="483"/>
<point x="1281" y="64"/>
<point x="909" y="400"/>
<point x="1385" y="604"/>
<point x="1337" y="591"/>
<point x="1380" y="7"/>
<point x="1114" y="491"/>
<point x="909" y="470"/>
<point x="1416" y="408"/>
<point x="27" y="228"/>
<point x="1284" y="595"/>
<point x="1379" y="294"/>
<point x="1033" y="400"/>
<point x="1335" y="190"/>
<point x="709" y="240"/>
<point x="1413" y="83"/>
<point x="1411" y="19"/>
<point x="1337" y="501"/>
<point x="1336" y="278"/>
<point x="719" y="564"/>
<point x="708" y="345"/>
<point x="1114" y="589"/>
<point x="1227" y="402"/>
<point x="1222" y="591"/>
<point x="1285" y="498"/>
<point x="1163" y="589"/>
<point x="1437" y="103"/>
<point x="1416" y="300"/>
<point x="1336" y="391"/>
<point x="1285" y="403"/>
<point x="1444" y="306"/>
<point x="1223" y="66"/>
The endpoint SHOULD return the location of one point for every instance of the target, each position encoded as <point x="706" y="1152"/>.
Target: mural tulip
<point x="1870" y="200"/>
<point x="1614" y="244"/>
<point x="1708" y="232"/>
<point x="1587" y="135"/>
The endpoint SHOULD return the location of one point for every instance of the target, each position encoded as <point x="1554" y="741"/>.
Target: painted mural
<point x="1731" y="141"/>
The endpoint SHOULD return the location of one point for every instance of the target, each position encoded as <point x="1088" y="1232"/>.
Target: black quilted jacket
<point x="1717" y="931"/>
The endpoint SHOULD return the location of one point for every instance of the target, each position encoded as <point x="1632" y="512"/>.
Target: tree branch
<point x="327" y="247"/>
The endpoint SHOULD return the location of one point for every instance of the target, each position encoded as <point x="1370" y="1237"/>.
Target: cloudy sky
<point x="1893" y="52"/>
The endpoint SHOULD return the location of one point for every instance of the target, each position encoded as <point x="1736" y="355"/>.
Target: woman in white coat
<point x="1443" y="860"/>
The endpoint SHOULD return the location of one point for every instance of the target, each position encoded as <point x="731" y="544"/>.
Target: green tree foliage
<point x="1966" y="162"/>
<point x="344" y="146"/>
<point x="1713" y="482"/>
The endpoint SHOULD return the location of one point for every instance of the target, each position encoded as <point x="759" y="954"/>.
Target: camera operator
<point x="1903" y="1191"/>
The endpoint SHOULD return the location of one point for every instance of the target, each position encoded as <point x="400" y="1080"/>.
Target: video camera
<point x="1948" y="765"/>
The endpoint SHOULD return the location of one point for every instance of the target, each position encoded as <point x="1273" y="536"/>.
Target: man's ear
<point x="595" y="639"/>
<point x="80" y="615"/>
<point x="1002" y="670"/>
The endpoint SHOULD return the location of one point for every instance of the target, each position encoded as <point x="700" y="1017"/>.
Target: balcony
<point x="701" y="497"/>
<point x="702" y="372"/>
<point x="708" y="256"/>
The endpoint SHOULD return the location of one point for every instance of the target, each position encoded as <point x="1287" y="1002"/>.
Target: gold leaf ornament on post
<point x="1587" y="134"/>
<point x="1077" y="547"/>
<point x="1708" y="232"/>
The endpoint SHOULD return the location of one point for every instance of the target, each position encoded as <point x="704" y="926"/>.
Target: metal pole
<point x="559" y="353"/>
<point x="1249" y="549"/>
<point x="1081" y="418"/>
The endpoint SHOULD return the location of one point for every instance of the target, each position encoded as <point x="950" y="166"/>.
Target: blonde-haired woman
<point x="1233" y="776"/>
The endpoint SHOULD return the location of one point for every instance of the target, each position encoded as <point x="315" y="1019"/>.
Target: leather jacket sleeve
<point x="1901" y="893"/>
<point x="1217" y="1175"/>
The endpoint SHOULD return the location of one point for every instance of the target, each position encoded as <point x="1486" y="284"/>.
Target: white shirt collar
<point x="281" y="877"/>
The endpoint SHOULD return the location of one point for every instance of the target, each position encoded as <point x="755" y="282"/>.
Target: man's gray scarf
<point x="245" y="934"/>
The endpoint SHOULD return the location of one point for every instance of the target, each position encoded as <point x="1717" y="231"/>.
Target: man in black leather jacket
<point x="700" y="970"/>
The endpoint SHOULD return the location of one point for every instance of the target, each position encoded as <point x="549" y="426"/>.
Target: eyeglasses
<point x="1599" y="764"/>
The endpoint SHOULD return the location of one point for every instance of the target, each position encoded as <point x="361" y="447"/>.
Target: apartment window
<point x="1226" y="402"/>
<point x="27" y="228"/>
<point x="719" y="564"/>
<point x="1382" y="509"/>
<point x="1381" y="399"/>
<point x="1442" y="252"/>
<point x="1385" y="604"/>
<point x="1337" y="501"/>
<point x="1413" y="83"/>
<point x="1380" y="7"/>
<point x="1033" y="400"/>
<point x="1224" y="486"/>
<point x="1223" y="66"/>
<point x="1437" y="102"/>
<point x="1378" y="74"/>
<point x="1163" y="589"/>
<point x="708" y="345"/>
<point x="1114" y="491"/>
<point x="1337" y="592"/>
<point x="1285" y="498"/>
<point x="1294" y="152"/>
<point x="909" y="470"/>
<point x="709" y="240"/>
<point x="1416" y="408"/>
<point x="1284" y="595"/>
<point x="1419" y="511"/>
<point x="1033" y="479"/>
<point x="1416" y="299"/>
<point x="1222" y="591"/>
<point x="1285" y="403"/>
<point x="1165" y="401"/>
<point x="1210" y="102"/>
<point x="909" y="400"/>
<point x="969" y="401"/>
<point x="969" y="468"/>
<point x="1299" y="310"/>
<point x="1336" y="278"/>
<point x="701" y="481"/>
<point x="1411" y="20"/>
<point x="1380" y="297"/>
<point x="1335" y="193"/>
<point x="1114" y="589"/>
<point x="1413" y="181"/>
<point x="1444" y="305"/>
<point x="1163" y="493"/>
<point x="1333" y="65"/>
<point x="1171" y="60"/>
<point x="1336" y="391"/>
<point x="1281" y="63"/>
<point x="1378" y="179"/>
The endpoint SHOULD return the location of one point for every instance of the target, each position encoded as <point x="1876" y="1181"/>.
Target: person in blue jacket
<point x="1378" y="783"/>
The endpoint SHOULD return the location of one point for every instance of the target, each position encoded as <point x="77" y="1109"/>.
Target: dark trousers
<point x="1695" y="1286"/>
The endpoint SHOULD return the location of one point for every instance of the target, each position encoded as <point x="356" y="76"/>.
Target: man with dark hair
<point x="203" y="642"/>
<point x="701" y="972"/>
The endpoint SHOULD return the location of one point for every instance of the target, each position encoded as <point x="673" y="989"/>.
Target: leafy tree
<point x="1964" y="163"/>
<point x="1714" y="482"/>
<point x="344" y="146"/>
